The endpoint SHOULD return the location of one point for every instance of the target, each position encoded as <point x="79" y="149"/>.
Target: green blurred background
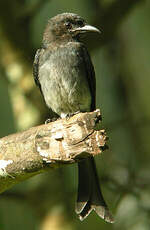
<point x="121" y="56"/>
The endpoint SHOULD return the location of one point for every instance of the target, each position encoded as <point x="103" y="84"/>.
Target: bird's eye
<point x="68" y="25"/>
<point x="80" y="23"/>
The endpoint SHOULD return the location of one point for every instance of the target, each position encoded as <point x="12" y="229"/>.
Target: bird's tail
<point x="89" y="193"/>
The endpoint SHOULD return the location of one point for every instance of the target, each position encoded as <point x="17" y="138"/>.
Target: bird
<point x="65" y="75"/>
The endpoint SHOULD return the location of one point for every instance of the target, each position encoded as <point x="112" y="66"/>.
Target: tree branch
<point x="48" y="146"/>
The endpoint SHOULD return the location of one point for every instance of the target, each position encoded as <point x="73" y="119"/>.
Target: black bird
<point x="65" y="75"/>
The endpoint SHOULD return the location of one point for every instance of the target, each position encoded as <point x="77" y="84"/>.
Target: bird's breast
<point x="63" y="80"/>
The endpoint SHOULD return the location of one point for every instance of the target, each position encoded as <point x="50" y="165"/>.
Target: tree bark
<point x="65" y="141"/>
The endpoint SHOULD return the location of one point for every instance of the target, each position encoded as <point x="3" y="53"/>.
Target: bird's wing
<point x="36" y="67"/>
<point x="90" y="73"/>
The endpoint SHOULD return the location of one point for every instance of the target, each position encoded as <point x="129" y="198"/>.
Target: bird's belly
<point x="66" y="94"/>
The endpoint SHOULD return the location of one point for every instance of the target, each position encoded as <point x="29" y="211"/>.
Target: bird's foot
<point x="51" y="120"/>
<point x="69" y="115"/>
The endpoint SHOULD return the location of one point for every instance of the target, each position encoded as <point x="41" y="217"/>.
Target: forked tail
<point x="89" y="193"/>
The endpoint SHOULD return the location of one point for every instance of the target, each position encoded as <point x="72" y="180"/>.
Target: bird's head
<point x="66" y="26"/>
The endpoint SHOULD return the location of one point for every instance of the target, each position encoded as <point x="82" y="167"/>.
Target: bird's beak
<point x="87" y="28"/>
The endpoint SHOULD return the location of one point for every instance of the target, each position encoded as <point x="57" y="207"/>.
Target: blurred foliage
<point x="121" y="57"/>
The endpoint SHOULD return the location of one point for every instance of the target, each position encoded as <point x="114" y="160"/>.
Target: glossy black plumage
<point x="65" y="75"/>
